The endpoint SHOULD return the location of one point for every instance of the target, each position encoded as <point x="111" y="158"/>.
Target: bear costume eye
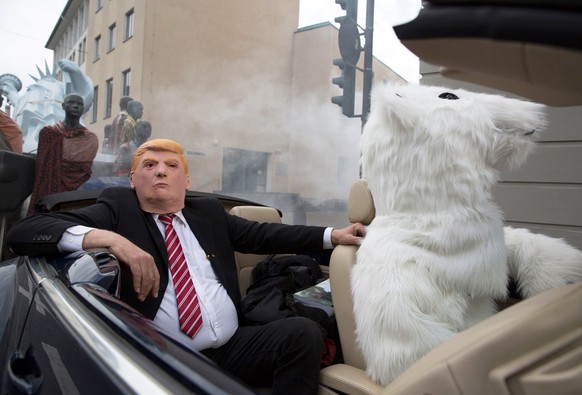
<point x="448" y="96"/>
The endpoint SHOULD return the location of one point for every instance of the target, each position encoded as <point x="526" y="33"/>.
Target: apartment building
<point x="243" y="89"/>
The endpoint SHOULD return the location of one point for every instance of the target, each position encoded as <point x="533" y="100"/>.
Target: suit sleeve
<point x="221" y="234"/>
<point x="39" y="234"/>
<point x="268" y="238"/>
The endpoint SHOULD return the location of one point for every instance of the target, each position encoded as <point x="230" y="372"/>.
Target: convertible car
<point x="63" y="330"/>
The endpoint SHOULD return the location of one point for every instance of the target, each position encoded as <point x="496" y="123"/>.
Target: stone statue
<point x="42" y="103"/>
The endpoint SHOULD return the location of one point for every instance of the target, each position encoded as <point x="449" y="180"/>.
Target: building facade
<point x="244" y="91"/>
<point x="69" y="37"/>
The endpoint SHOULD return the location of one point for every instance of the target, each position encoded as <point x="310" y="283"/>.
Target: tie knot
<point x="167" y="219"/>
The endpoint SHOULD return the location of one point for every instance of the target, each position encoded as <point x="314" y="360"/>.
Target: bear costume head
<point x="429" y="148"/>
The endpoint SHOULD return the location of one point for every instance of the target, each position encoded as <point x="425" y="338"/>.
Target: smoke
<point x="312" y="149"/>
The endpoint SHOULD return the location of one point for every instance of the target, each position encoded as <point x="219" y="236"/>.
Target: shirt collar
<point x="178" y="214"/>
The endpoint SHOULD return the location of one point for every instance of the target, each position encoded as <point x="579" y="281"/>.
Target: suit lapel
<point x="202" y="229"/>
<point x="156" y="235"/>
<point x="204" y="233"/>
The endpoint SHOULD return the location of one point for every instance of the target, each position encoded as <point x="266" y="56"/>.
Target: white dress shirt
<point x="218" y="311"/>
<point x="219" y="317"/>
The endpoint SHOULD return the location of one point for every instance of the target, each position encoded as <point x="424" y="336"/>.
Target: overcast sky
<point x="26" y="25"/>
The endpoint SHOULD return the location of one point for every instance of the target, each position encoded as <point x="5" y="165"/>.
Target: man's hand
<point x="146" y="278"/>
<point x="352" y="234"/>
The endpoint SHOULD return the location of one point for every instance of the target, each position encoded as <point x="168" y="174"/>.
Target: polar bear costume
<point x="435" y="257"/>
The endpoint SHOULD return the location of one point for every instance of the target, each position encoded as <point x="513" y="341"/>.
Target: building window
<point x="109" y="97"/>
<point x="95" y="102"/>
<point x="126" y="76"/>
<point x="128" y="25"/>
<point x="112" y="31"/>
<point x="97" y="48"/>
<point x="99" y="5"/>
<point x="244" y="171"/>
<point x="82" y="51"/>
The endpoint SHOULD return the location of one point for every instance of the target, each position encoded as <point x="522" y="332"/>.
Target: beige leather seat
<point x="349" y="377"/>
<point x="531" y="348"/>
<point x="246" y="262"/>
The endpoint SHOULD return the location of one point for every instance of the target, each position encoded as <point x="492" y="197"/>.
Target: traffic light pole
<point x="368" y="59"/>
<point x="350" y="50"/>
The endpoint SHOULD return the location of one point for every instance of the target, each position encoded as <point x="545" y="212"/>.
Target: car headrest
<point x="360" y="203"/>
<point x="257" y="213"/>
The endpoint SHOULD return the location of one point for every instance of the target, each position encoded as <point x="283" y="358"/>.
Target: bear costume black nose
<point x="448" y="96"/>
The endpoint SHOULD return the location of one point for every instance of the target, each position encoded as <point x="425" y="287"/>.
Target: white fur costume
<point x="435" y="257"/>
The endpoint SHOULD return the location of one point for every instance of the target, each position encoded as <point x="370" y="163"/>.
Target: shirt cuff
<point x="327" y="244"/>
<point x="72" y="239"/>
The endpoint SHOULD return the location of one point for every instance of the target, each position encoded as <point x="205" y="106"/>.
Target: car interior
<point x="535" y="343"/>
<point x="246" y="262"/>
<point x="532" y="345"/>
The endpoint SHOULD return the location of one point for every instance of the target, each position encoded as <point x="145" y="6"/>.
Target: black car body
<point x="64" y="325"/>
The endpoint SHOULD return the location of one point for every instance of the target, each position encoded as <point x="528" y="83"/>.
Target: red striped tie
<point x="186" y="298"/>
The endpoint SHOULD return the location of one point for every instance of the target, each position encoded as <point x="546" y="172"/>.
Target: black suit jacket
<point x="219" y="234"/>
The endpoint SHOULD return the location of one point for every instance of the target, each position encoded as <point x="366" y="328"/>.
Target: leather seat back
<point x="531" y="348"/>
<point x="245" y="263"/>
<point x="360" y="209"/>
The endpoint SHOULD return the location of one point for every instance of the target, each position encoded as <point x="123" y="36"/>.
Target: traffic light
<point x="350" y="48"/>
<point x="346" y="82"/>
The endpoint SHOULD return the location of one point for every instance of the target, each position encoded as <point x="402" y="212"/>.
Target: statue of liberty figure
<point x="41" y="104"/>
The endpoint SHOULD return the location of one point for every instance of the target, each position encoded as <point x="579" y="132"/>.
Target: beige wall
<point x="208" y="76"/>
<point x="126" y="55"/>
